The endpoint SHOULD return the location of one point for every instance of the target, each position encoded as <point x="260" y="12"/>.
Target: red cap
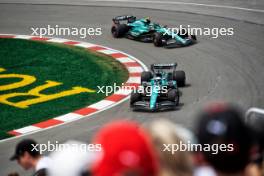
<point x="126" y="149"/>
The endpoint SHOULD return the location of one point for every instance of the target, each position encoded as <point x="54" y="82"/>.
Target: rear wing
<point x="163" y="66"/>
<point x="128" y="18"/>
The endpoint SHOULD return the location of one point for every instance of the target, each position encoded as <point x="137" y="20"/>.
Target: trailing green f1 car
<point x="159" y="88"/>
<point x="145" y="30"/>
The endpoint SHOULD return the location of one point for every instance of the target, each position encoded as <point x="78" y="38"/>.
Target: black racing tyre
<point x="179" y="77"/>
<point x="194" y="37"/>
<point x="157" y="39"/>
<point x="119" y="30"/>
<point x="146" y="76"/>
<point x="183" y="33"/>
<point x="135" y="96"/>
<point x="173" y="95"/>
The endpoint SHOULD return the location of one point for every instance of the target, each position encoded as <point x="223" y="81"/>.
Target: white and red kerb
<point x="131" y="64"/>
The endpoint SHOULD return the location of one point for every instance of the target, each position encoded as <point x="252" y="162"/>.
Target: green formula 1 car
<point x="159" y="88"/>
<point x="145" y="30"/>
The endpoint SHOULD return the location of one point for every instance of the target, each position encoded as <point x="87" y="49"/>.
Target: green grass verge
<point x="72" y="66"/>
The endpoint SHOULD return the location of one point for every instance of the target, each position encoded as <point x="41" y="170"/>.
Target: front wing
<point x="161" y="105"/>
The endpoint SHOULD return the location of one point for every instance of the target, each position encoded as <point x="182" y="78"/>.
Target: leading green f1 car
<point x="145" y="30"/>
<point x="159" y="88"/>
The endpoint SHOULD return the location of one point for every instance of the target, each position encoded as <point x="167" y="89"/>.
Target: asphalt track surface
<point x="226" y="68"/>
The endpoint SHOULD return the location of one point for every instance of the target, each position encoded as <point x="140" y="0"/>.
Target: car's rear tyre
<point x="135" y="96"/>
<point x="157" y="39"/>
<point x="180" y="78"/>
<point x="119" y="30"/>
<point x="173" y="95"/>
<point x="146" y="76"/>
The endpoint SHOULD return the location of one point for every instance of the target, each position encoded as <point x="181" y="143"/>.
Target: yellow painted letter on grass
<point x="25" y="80"/>
<point x="2" y="69"/>
<point x="39" y="97"/>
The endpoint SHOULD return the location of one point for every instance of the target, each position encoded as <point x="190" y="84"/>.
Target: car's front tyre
<point x="157" y="39"/>
<point x="173" y="95"/>
<point x="135" y="97"/>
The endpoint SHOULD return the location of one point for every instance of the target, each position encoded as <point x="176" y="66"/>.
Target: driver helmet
<point x="147" y="20"/>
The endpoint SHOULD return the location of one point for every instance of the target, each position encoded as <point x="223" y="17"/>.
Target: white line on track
<point x="183" y="3"/>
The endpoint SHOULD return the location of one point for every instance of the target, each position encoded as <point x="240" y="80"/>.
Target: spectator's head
<point x="126" y="151"/>
<point x="26" y="153"/>
<point x="223" y="124"/>
<point x="163" y="133"/>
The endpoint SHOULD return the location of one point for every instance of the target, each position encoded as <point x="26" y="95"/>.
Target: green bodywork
<point x="156" y="84"/>
<point x="142" y="27"/>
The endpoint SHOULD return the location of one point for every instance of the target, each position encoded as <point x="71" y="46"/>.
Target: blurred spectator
<point x="223" y="124"/>
<point x="126" y="151"/>
<point x="164" y="132"/>
<point x="74" y="160"/>
<point x="256" y="122"/>
<point x="29" y="157"/>
<point x="204" y="170"/>
<point x="13" y="174"/>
